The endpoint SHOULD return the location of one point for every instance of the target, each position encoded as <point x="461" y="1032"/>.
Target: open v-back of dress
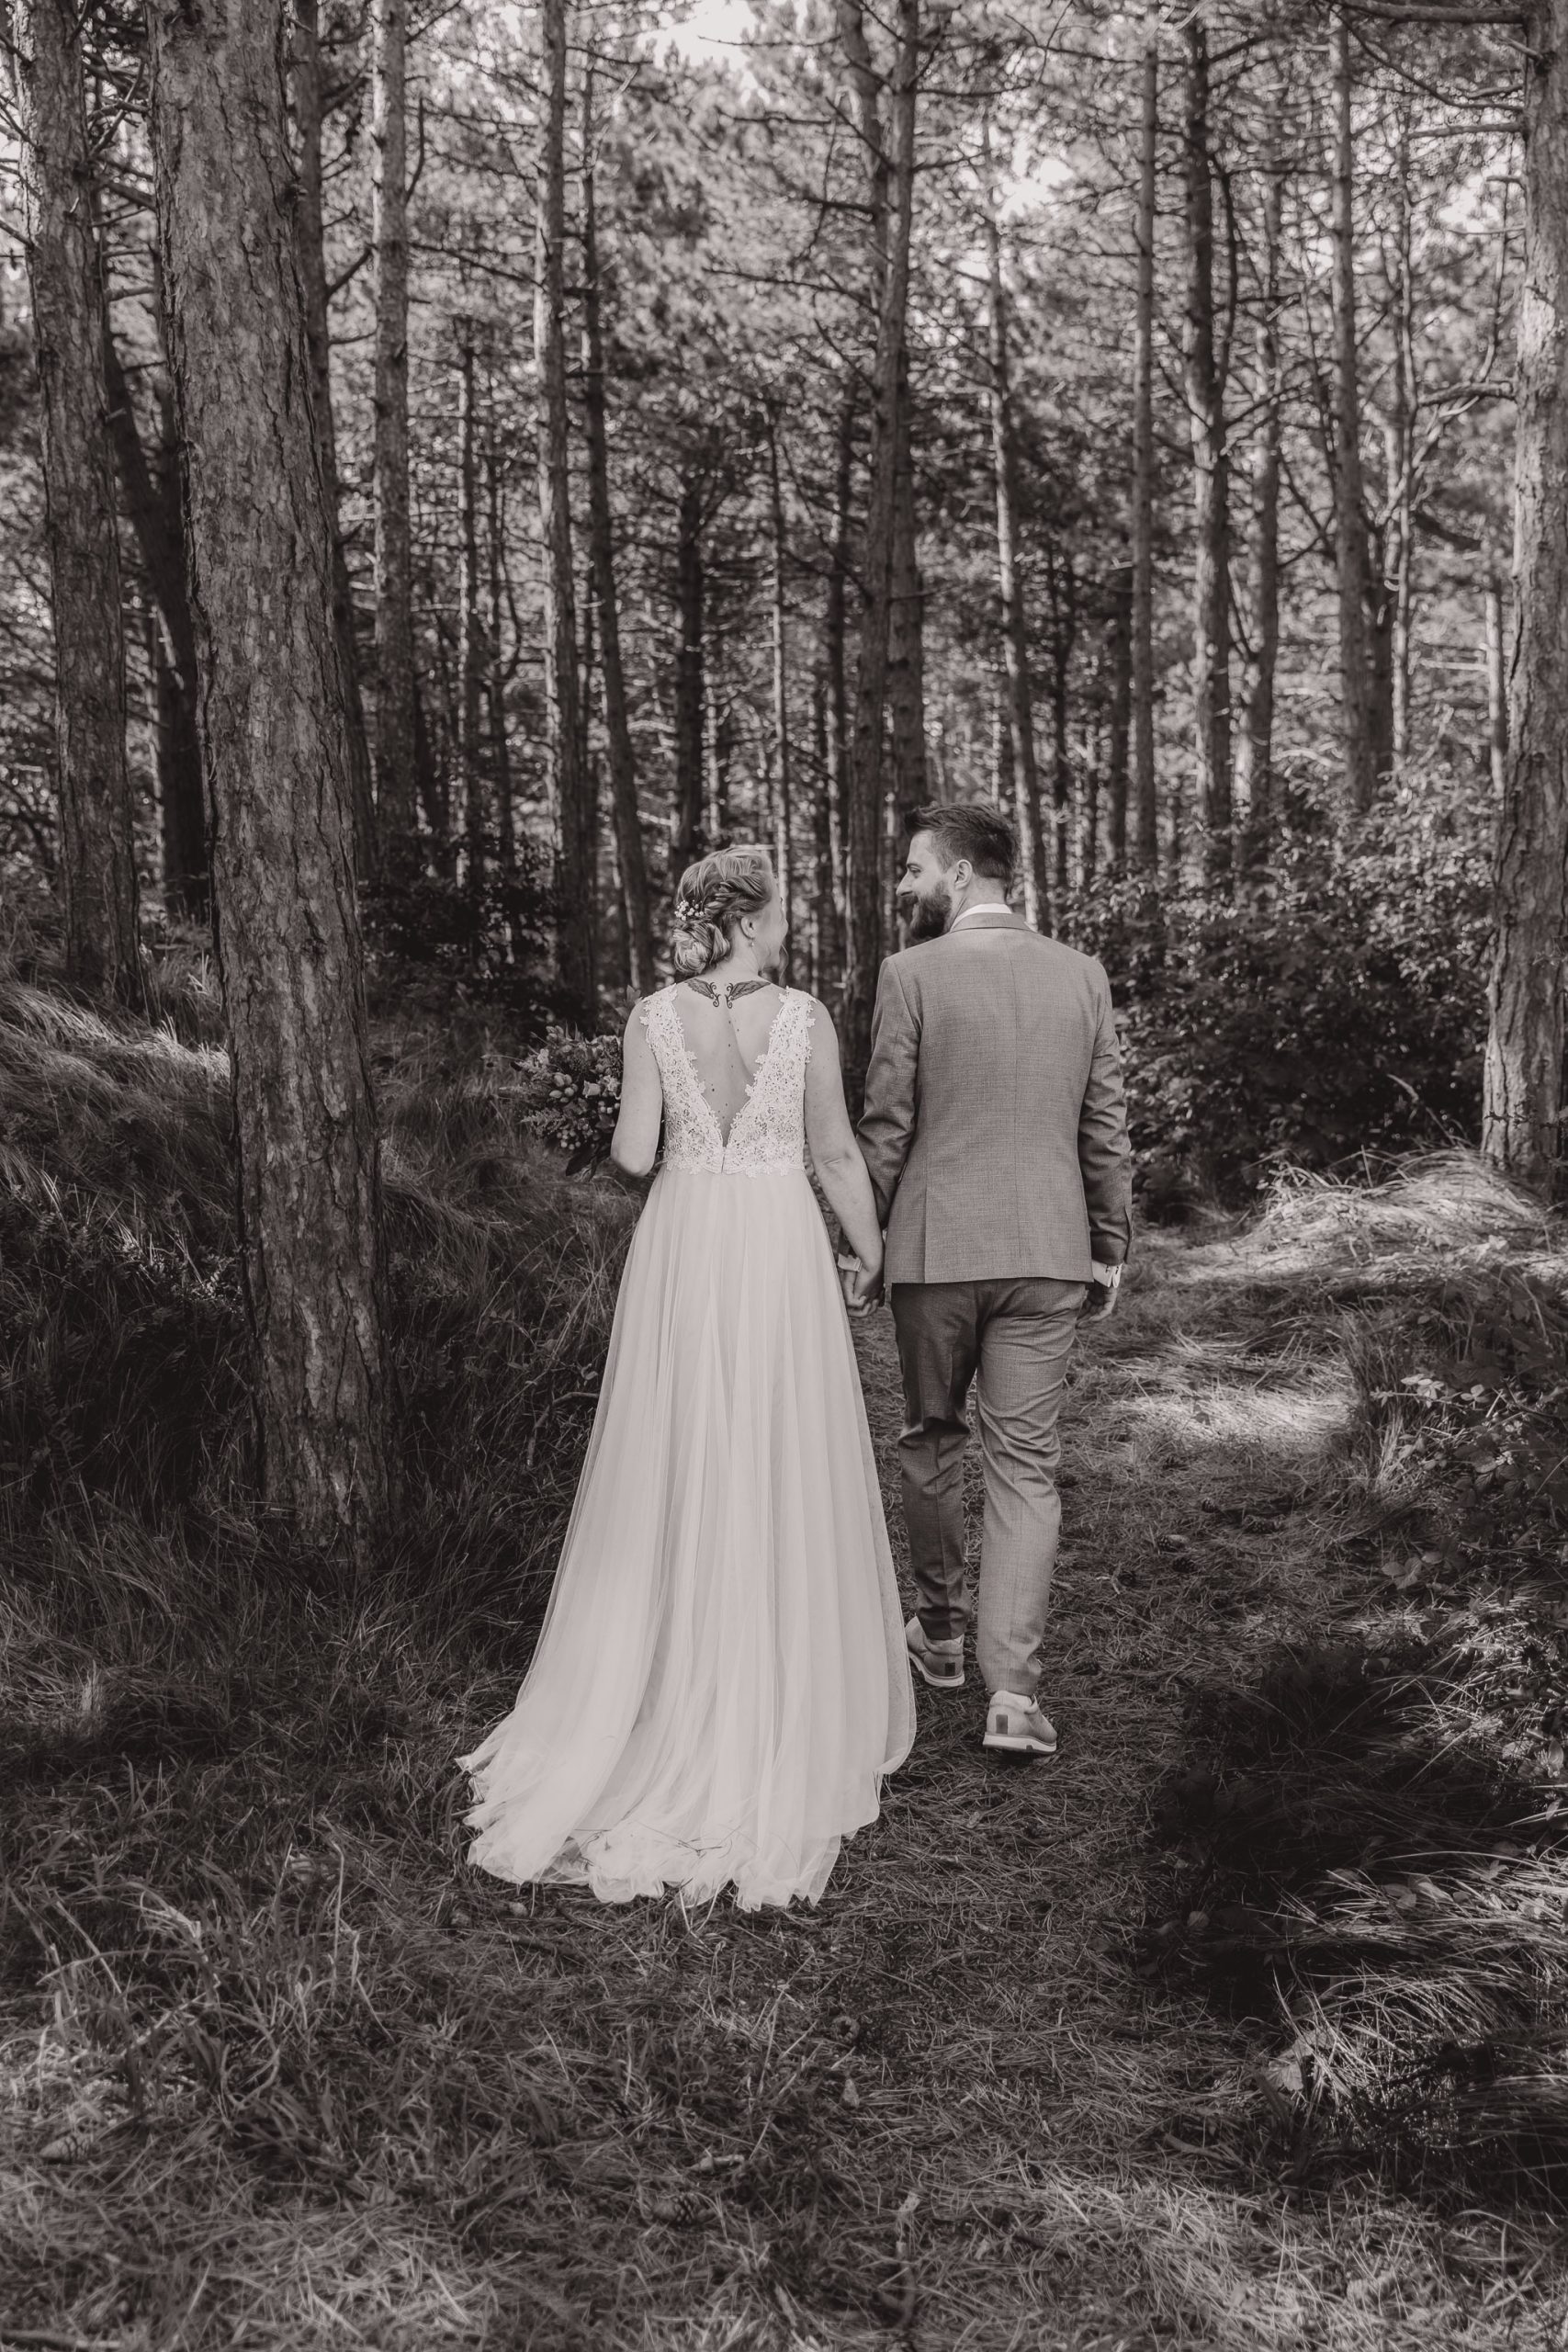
<point x="721" y="1681"/>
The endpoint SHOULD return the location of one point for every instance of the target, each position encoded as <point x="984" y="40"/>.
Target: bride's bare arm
<point x="633" y="1147"/>
<point x="835" y="1154"/>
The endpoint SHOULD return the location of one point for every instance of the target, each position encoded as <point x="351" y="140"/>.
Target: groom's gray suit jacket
<point x="995" y="1126"/>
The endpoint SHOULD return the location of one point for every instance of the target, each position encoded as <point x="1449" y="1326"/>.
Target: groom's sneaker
<point x="940" y="1663"/>
<point x="1017" y="1726"/>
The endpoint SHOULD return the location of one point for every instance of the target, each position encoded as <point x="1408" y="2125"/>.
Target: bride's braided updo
<point x="712" y="897"/>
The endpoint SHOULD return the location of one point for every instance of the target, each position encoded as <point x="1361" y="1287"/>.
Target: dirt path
<point x="408" y="2109"/>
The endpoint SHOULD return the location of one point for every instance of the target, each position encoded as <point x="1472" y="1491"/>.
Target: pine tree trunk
<point x="97" y="844"/>
<point x="576" y="862"/>
<point x="629" y="851"/>
<point x="1351" y="552"/>
<point x="396" y="753"/>
<point x="906" y="628"/>
<point x="835" y="625"/>
<point x="1520" y="1128"/>
<point x="275" y="743"/>
<point x="154" y="506"/>
<point x="472" y="652"/>
<point x="495" y="671"/>
<point x="1401" y="467"/>
<point x="783" y="776"/>
<point x="1145" y="814"/>
<point x="1497" y="688"/>
<point x="1257" y="740"/>
<point x="311" y="227"/>
<point x="1026" y="771"/>
<point x="1211" y="478"/>
<point x="1121" y="652"/>
<point x="1063" y="586"/>
<point x="686" y="830"/>
<point x="892" y="181"/>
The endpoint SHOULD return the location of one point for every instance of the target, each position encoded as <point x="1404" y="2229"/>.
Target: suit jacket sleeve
<point x="887" y="1123"/>
<point x="1105" y="1152"/>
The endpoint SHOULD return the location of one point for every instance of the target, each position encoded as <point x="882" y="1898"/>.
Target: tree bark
<point x="906" y="626"/>
<point x="1062" y="585"/>
<point x="835" y="627"/>
<point x="473" y="659"/>
<point x="1497" y="688"/>
<point x="630" y="856"/>
<point x="496" y="672"/>
<point x="1400" y="470"/>
<point x="1211" y="477"/>
<point x="310" y="226"/>
<point x="783" y="776"/>
<point x="1146" y="814"/>
<point x="396" y="777"/>
<point x="155" y="507"/>
<point x="1036" y="871"/>
<point x="1121" y="651"/>
<point x="275" y="741"/>
<point x="686" y="839"/>
<point x="1258" y="741"/>
<point x="1520" y="1130"/>
<point x="98" y="842"/>
<point x="576" y="894"/>
<point x="892" y="178"/>
<point x="1351" y="552"/>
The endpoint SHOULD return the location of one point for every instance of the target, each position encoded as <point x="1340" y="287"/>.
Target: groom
<point x="996" y="1135"/>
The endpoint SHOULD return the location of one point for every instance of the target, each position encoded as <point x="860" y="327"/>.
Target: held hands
<point x="862" y="1285"/>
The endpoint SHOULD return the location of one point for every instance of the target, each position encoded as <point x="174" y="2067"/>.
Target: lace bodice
<point x="768" y="1134"/>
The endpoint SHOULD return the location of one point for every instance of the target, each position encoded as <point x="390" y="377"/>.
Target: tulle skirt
<point x="721" y="1680"/>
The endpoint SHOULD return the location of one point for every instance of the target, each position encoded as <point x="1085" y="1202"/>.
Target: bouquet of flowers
<point x="569" y="1092"/>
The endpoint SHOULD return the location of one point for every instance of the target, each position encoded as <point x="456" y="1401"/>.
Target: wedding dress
<point x="721" y="1680"/>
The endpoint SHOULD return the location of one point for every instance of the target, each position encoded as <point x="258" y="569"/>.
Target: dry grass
<point x="275" y="2070"/>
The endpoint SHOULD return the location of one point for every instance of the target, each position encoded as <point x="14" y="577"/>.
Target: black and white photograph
<point x="783" y="1175"/>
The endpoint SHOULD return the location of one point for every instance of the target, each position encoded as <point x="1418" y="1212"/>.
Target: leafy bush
<point x="1341" y="1015"/>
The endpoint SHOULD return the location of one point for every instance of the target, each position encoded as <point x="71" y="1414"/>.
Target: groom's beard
<point x="928" y="916"/>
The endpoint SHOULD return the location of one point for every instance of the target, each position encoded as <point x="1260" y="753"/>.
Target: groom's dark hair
<point x="970" y="828"/>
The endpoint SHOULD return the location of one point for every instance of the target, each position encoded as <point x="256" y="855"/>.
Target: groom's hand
<point x="1100" y="1301"/>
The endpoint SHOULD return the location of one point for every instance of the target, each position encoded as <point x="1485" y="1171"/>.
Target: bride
<point x="721" y="1681"/>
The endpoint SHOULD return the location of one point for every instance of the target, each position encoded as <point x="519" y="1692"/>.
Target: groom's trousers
<point x="1010" y="1339"/>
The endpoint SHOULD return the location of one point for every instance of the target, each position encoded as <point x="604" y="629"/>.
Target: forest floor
<point x="284" y="2075"/>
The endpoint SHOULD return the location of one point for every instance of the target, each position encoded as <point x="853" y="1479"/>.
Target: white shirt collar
<point x="991" y="907"/>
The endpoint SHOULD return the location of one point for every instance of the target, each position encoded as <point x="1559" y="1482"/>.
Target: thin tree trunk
<point x="1211" y="478"/>
<point x="576" y="920"/>
<point x="629" y="853"/>
<point x="835" y="624"/>
<point x="472" y="652"/>
<point x="1520" y="1130"/>
<point x="311" y="227"/>
<point x="1036" y="875"/>
<point x="893" y="174"/>
<point x="1063" y="587"/>
<point x="823" y="932"/>
<point x="1146" y="824"/>
<point x="1402" y="486"/>
<point x="1497" y="687"/>
<point x="98" y="842"/>
<point x="495" y="674"/>
<point x="905" y="625"/>
<point x="396" y="754"/>
<point x="275" y="741"/>
<point x="783" y="778"/>
<point x="1258" y="741"/>
<point x="1089" y="814"/>
<point x="154" y="505"/>
<point x="1349" y="502"/>
<point x="1121" y="718"/>
<point x="686" y="830"/>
